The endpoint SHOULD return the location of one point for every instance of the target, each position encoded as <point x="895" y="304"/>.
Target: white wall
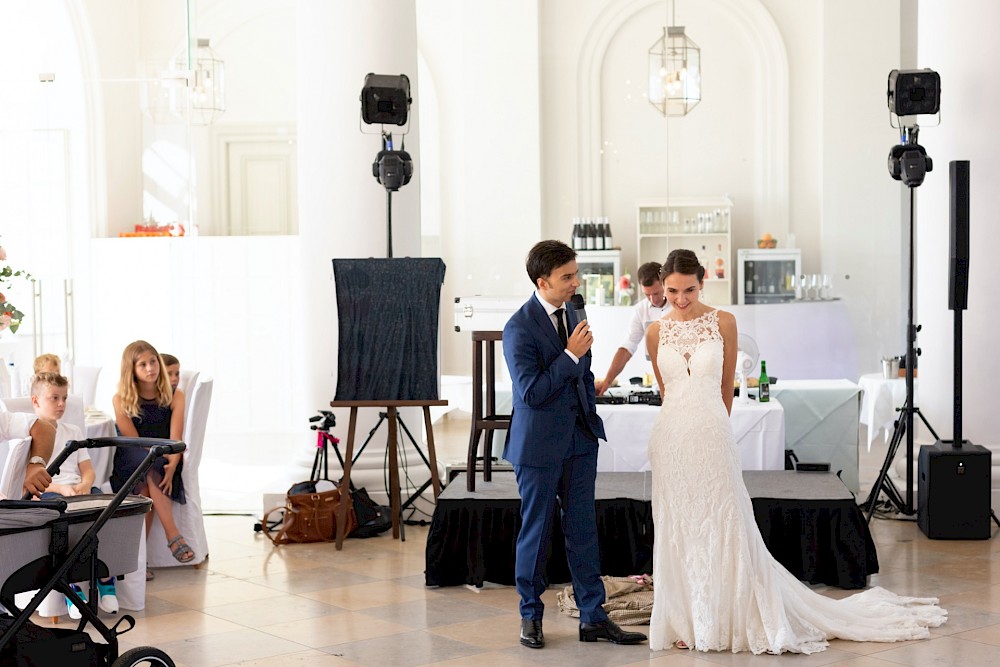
<point x="487" y="96"/>
<point x="841" y="205"/>
<point x="859" y="221"/>
<point x="952" y="42"/>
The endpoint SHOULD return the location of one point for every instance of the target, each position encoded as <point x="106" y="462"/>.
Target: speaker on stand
<point x="954" y="475"/>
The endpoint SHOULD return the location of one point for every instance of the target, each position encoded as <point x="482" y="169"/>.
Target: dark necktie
<point x="560" y="327"/>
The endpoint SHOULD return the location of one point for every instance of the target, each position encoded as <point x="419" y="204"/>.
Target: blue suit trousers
<point x="572" y="486"/>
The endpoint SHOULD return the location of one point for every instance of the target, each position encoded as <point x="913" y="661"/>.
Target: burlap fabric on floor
<point x="628" y="600"/>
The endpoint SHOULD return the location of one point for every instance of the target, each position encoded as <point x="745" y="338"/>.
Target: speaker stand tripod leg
<point x="882" y="482"/>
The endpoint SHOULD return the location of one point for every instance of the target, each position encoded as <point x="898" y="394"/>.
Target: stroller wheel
<point x="143" y="656"/>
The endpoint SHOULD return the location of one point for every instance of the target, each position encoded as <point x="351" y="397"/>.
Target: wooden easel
<point x="391" y="443"/>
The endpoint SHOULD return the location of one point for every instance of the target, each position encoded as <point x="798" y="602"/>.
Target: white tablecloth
<point x="821" y="423"/>
<point x="879" y="404"/>
<point x="759" y="430"/>
<point x="100" y="425"/>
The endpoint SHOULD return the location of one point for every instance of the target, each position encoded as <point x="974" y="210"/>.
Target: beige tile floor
<point x="311" y="606"/>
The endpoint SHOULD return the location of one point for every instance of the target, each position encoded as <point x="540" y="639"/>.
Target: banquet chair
<point x="14" y="468"/>
<point x="187" y="384"/>
<point x="84" y="383"/>
<point x="188" y="516"/>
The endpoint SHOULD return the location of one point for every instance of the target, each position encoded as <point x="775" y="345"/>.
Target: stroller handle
<point x="158" y="445"/>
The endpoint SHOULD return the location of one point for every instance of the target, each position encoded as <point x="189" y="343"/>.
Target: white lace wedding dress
<point x="717" y="588"/>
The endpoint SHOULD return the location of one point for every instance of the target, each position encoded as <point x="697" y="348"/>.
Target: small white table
<point x="821" y="423"/>
<point x="759" y="429"/>
<point x="881" y="400"/>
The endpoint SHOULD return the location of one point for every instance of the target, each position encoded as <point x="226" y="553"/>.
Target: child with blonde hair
<point x="76" y="474"/>
<point x="145" y="406"/>
<point x="48" y="363"/>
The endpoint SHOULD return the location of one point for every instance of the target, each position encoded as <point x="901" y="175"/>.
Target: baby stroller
<point x="47" y="544"/>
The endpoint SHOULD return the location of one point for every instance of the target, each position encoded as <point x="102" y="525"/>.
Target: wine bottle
<point x="720" y="264"/>
<point x="763" y="384"/>
<point x="591" y="236"/>
<point x="598" y="235"/>
<point x="609" y="242"/>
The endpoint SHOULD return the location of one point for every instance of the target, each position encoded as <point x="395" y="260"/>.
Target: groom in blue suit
<point x="553" y="444"/>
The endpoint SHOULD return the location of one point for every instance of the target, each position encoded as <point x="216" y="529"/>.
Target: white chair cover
<point x="84" y="383"/>
<point x="188" y="517"/>
<point x="187" y="384"/>
<point x="15" y="465"/>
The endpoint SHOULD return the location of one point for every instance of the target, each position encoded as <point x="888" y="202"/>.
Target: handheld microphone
<point x="577" y="303"/>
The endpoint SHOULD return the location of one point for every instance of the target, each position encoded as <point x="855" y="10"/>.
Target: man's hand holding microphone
<point x="581" y="340"/>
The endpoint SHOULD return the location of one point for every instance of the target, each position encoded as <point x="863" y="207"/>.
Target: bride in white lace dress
<point x="717" y="588"/>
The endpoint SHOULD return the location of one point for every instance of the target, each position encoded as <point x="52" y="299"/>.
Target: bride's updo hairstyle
<point x="682" y="261"/>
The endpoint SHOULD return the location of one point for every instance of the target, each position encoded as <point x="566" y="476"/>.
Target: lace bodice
<point x="689" y="356"/>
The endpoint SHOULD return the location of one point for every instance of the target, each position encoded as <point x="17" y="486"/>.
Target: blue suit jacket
<point x="549" y="389"/>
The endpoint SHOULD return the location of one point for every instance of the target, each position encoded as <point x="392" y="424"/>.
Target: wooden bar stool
<point x="485" y="419"/>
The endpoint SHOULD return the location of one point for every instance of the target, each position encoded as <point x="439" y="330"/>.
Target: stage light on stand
<point x="385" y="100"/>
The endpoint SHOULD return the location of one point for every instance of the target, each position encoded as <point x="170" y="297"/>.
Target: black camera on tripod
<point x="326" y="418"/>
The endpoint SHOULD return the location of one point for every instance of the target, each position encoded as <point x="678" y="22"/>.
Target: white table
<point x="880" y="402"/>
<point x="100" y="425"/>
<point x="759" y="429"/>
<point x="821" y="423"/>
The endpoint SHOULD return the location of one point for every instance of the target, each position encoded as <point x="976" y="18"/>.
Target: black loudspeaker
<point x="954" y="491"/>
<point x="958" y="269"/>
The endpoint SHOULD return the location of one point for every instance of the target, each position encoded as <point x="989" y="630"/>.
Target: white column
<point x="951" y="42"/>
<point x="342" y="208"/>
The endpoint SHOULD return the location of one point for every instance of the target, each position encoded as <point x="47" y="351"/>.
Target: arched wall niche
<point x="766" y="62"/>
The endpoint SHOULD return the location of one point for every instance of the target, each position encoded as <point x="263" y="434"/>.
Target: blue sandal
<point x="181" y="552"/>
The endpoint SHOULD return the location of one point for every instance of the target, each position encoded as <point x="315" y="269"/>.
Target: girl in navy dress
<point x="145" y="406"/>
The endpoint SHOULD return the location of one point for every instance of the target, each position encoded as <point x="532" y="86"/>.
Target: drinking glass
<point x="797" y="287"/>
<point x="826" y="287"/>
<point x="814" y="285"/>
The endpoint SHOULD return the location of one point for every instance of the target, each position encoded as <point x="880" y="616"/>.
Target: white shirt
<point x="644" y="312"/>
<point x="69" y="471"/>
<point x="551" y="310"/>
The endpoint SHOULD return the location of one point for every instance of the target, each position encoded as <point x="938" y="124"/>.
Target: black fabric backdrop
<point x="388" y="323"/>
<point x="472" y="541"/>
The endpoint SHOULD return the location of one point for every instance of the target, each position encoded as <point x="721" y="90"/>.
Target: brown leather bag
<point x="309" y="516"/>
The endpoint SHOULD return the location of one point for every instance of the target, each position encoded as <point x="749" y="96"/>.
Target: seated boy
<point x="76" y="474"/>
<point x="173" y="369"/>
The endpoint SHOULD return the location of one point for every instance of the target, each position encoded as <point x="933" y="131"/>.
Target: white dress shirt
<point x="551" y="310"/>
<point x="644" y="312"/>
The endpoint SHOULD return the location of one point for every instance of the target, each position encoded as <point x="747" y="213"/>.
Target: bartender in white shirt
<point x="42" y="434"/>
<point x="652" y="307"/>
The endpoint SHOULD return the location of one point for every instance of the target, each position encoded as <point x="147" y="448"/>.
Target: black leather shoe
<point x="531" y="633"/>
<point x="609" y="631"/>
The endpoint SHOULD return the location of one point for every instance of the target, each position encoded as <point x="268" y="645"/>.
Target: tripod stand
<point x="904" y="423"/>
<point x="324" y="440"/>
